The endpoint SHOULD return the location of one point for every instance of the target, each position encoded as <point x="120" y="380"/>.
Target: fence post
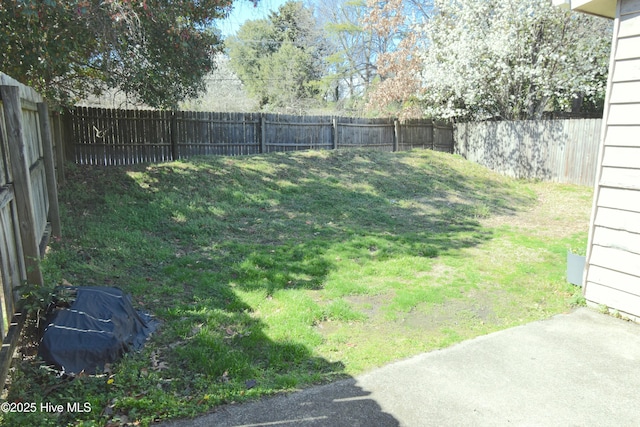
<point x="50" y="169"/>
<point x="433" y="135"/>
<point x="9" y="342"/>
<point x="59" y="144"/>
<point x="263" y="134"/>
<point x="22" y="183"/>
<point x="335" y="133"/>
<point x="396" y="135"/>
<point x="70" y="137"/>
<point x="174" y="136"/>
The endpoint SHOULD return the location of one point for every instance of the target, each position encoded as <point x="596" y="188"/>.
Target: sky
<point x="244" y="10"/>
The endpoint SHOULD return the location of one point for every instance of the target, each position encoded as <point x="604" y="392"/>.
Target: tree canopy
<point x="224" y="91"/>
<point x="463" y="59"/>
<point x="509" y="59"/>
<point x="399" y="65"/>
<point x="155" y="50"/>
<point x="281" y="60"/>
<point x="352" y="65"/>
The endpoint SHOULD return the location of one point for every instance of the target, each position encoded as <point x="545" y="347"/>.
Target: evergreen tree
<point x="281" y="59"/>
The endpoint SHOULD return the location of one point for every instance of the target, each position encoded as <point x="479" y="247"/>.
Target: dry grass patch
<point x="560" y="210"/>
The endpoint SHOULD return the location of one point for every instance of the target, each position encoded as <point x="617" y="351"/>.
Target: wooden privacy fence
<point x="28" y="201"/>
<point x="563" y="151"/>
<point x="118" y="137"/>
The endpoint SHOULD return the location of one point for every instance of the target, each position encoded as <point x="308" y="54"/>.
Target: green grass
<point x="279" y="271"/>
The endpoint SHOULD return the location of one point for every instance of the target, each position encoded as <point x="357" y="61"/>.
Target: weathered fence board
<point x="116" y="137"/>
<point x="552" y="150"/>
<point x="377" y="134"/>
<point x="12" y="263"/>
<point x="201" y="133"/>
<point x="20" y="154"/>
<point x="50" y="179"/>
<point x="443" y="138"/>
<point x="416" y="134"/>
<point x="28" y="201"/>
<point x="292" y="133"/>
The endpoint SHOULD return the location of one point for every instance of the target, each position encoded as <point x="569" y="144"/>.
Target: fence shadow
<point x="551" y="150"/>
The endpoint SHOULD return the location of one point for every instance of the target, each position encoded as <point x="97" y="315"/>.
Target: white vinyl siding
<point x="613" y="264"/>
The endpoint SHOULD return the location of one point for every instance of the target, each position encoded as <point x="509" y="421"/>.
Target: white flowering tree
<point x="510" y="59"/>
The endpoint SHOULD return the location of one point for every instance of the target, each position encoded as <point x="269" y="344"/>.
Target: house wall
<point x="613" y="260"/>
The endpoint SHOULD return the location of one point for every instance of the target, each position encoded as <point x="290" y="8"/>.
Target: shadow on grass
<point x="211" y="245"/>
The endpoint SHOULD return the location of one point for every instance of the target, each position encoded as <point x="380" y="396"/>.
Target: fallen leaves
<point x="156" y="363"/>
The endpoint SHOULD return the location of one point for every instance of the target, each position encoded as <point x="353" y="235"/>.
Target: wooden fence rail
<point x="563" y="151"/>
<point x="120" y="137"/>
<point x="28" y="201"/>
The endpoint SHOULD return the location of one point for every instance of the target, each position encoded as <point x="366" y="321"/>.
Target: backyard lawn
<point x="275" y="272"/>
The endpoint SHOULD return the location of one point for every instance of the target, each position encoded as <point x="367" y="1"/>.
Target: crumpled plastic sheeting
<point x="99" y="327"/>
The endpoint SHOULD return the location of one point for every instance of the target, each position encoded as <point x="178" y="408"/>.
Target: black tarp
<point x="99" y="327"/>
